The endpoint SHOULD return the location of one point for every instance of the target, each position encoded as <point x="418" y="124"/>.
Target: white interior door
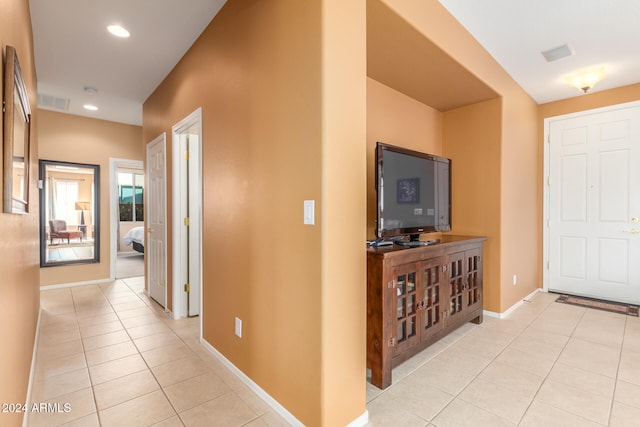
<point x="594" y="204"/>
<point x="156" y="213"/>
<point x="187" y="215"/>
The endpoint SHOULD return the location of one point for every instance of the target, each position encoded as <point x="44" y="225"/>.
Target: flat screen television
<point x="413" y="194"/>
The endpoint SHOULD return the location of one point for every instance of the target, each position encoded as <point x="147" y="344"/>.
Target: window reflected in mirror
<point x="69" y="213"/>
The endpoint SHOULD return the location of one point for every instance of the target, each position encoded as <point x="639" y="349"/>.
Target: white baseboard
<point x="277" y="407"/>
<point x="362" y="420"/>
<point x="511" y="309"/>
<point x="32" y="371"/>
<point x="71" y="285"/>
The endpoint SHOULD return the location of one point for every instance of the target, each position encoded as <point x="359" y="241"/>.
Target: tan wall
<point x="256" y="72"/>
<point x="77" y="139"/>
<point x="472" y="141"/>
<point x="396" y="119"/>
<point x="516" y="156"/>
<point x="343" y="214"/>
<point x="19" y="263"/>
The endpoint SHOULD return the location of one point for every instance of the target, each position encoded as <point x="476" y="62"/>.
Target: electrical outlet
<point x="515" y="280"/>
<point x="238" y="328"/>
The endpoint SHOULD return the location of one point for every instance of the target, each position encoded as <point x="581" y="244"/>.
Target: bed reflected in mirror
<point x="69" y="213"/>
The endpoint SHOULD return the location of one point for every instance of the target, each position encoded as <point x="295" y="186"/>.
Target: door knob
<point x="150" y="230"/>
<point x="635" y="219"/>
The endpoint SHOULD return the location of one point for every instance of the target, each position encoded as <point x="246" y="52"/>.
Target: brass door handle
<point x="632" y="231"/>
<point x="150" y="230"/>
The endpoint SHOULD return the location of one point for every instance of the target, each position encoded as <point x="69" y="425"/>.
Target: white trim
<point x="362" y="420"/>
<point x="114" y="213"/>
<point x="179" y="301"/>
<point x="513" y="308"/>
<point x="545" y="187"/>
<point x="32" y="371"/>
<point x="277" y="407"/>
<point x="74" y="284"/>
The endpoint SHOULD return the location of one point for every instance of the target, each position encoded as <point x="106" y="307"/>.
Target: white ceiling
<point x="74" y="50"/>
<point x="515" y="32"/>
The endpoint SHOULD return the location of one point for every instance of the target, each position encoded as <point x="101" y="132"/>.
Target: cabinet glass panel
<point x="406" y="306"/>
<point x="401" y="285"/>
<point x="473" y="293"/>
<point x="411" y="282"/>
<point x="401" y="306"/>
<point x="411" y="306"/>
<point x="431" y="280"/>
<point x="411" y="327"/>
<point x="401" y="331"/>
<point x="456" y="283"/>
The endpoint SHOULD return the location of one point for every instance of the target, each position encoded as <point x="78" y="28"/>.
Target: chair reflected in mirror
<point x="58" y="230"/>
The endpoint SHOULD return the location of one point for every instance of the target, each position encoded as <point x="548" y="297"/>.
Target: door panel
<point x="156" y="236"/>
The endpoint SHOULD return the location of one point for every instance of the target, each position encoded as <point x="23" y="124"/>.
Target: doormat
<point x="614" y="307"/>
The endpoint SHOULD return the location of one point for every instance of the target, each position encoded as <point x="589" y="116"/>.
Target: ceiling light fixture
<point x="90" y="107"/>
<point x="118" y="31"/>
<point x="586" y="79"/>
<point x="90" y="90"/>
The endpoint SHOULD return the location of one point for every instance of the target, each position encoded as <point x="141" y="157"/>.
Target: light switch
<point x="309" y="212"/>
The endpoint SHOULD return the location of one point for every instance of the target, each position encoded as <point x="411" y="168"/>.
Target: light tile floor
<point x="113" y="354"/>
<point x="548" y="364"/>
<point x="118" y="360"/>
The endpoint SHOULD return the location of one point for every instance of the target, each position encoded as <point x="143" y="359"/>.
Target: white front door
<point x="155" y="246"/>
<point x="594" y="204"/>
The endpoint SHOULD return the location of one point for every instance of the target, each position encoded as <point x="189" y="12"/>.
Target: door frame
<point x="114" y="213"/>
<point x="546" y="184"/>
<point x="178" y="230"/>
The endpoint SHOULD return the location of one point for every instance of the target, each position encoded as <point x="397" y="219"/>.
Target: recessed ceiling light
<point x="90" y="107"/>
<point x="118" y="31"/>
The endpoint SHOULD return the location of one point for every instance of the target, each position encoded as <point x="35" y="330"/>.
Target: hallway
<point x="118" y="360"/>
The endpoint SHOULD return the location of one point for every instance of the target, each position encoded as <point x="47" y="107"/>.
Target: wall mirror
<point x="17" y="115"/>
<point x="69" y="213"/>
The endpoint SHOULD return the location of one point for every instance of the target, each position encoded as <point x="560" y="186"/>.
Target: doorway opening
<point x="127" y="216"/>
<point x="187" y="218"/>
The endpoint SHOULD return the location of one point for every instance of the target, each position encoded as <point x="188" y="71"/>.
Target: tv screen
<point x="413" y="192"/>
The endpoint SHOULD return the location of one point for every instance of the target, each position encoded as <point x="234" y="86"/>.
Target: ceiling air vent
<point x="558" y="52"/>
<point x="53" y="102"/>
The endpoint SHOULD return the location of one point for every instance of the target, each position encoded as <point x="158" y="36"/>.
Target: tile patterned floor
<point x="113" y="354"/>
<point x="547" y="364"/>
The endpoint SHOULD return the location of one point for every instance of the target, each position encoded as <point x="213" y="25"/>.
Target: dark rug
<point x="614" y="307"/>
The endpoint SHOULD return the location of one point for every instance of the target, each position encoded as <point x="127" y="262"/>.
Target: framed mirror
<point x="17" y="117"/>
<point x="69" y="213"/>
